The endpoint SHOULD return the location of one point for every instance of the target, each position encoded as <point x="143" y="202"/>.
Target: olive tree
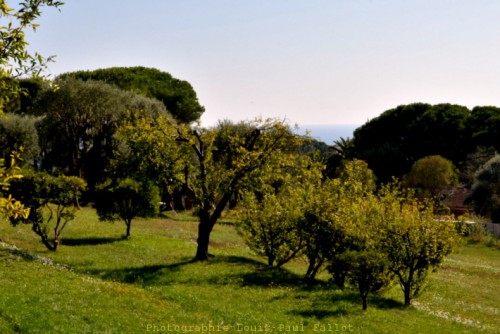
<point x="79" y="124"/>
<point x="19" y="132"/>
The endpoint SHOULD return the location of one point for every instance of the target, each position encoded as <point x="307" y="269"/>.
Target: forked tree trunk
<point x="207" y="222"/>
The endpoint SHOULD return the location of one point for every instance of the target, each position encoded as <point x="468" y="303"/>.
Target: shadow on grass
<point x="266" y="276"/>
<point x="323" y="299"/>
<point x="320" y="314"/>
<point x="89" y="241"/>
<point x="147" y="275"/>
<point x="244" y="272"/>
<point x="343" y="303"/>
<point x="385" y="303"/>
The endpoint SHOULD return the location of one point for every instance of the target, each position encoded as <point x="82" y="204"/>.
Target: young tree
<point x="274" y="204"/>
<point x="323" y="232"/>
<point x="150" y="155"/>
<point x="412" y="239"/>
<point x="368" y="270"/>
<point x="269" y="224"/>
<point x="125" y="199"/>
<point x="52" y="202"/>
<point x="365" y="264"/>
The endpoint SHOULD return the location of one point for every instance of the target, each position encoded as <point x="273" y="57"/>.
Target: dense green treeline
<point x="396" y="139"/>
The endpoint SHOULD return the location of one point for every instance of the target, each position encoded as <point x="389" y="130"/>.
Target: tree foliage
<point x="269" y="224"/>
<point x="431" y="175"/>
<point x="215" y="179"/>
<point x="52" y="201"/>
<point x="152" y="154"/>
<point x="125" y="199"/>
<point x="212" y="175"/>
<point x="485" y="127"/>
<point x="392" y="234"/>
<point x="271" y="213"/>
<point x="11" y="207"/>
<point x="79" y="122"/>
<point x="414" y="242"/>
<point x="16" y="132"/>
<point x="15" y="60"/>
<point x="324" y="225"/>
<point x="178" y="96"/>
<point x="485" y="194"/>
<point x="368" y="270"/>
<point x="393" y="141"/>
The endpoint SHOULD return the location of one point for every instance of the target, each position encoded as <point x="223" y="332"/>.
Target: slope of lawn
<point x="99" y="283"/>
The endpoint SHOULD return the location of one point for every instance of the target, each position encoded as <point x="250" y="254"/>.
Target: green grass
<point x="99" y="283"/>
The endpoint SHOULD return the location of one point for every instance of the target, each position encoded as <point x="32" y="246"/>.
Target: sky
<point x="307" y="61"/>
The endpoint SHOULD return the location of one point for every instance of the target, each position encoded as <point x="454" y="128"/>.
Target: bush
<point x="42" y="192"/>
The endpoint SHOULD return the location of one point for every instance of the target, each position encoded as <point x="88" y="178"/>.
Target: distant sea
<point x="328" y="133"/>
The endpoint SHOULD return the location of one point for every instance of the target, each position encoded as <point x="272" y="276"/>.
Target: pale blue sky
<point x="311" y="61"/>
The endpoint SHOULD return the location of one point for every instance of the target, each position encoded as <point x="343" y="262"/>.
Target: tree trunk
<point x="41" y="233"/>
<point x="407" y="292"/>
<point x="129" y="224"/>
<point x="310" y="268"/>
<point x="204" y="230"/>
<point x="57" y="239"/>
<point x="365" y="302"/>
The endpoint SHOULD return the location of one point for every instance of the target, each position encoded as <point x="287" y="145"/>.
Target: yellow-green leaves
<point x="14" y="58"/>
<point x="9" y="206"/>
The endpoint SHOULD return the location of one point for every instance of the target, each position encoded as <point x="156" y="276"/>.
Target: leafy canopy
<point x="15" y="60"/>
<point x="52" y="201"/>
<point x="178" y="96"/>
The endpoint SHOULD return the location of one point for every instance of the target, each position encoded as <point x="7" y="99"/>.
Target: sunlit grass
<point x="129" y="286"/>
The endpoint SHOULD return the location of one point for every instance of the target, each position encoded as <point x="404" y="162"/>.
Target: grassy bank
<point x="100" y="283"/>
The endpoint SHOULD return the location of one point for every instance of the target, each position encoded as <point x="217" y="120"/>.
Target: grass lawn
<point x="99" y="283"/>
